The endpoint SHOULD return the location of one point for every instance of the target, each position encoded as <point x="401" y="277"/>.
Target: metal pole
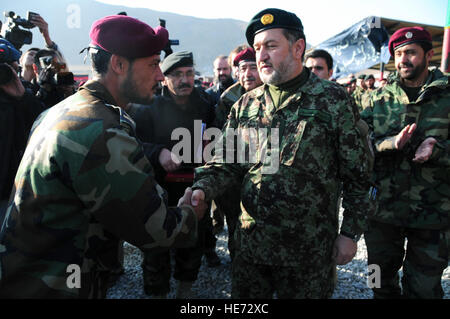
<point x="382" y="68"/>
<point x="445" y="61"/>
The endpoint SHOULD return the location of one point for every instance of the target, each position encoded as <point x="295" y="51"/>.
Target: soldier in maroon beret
<point x="409" y="121"/>
<point x="132" y="49"/>
<point x="87" y="182"/>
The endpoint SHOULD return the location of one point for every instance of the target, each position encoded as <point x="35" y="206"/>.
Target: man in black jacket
<point x="18" y="110"/>
<point x="222" y="74"/>
<point x="185" y="108"/>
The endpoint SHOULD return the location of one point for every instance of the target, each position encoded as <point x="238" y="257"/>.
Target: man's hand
<point x="200" y="206"/>
<point x="43" y="28"/>
<point x="404" y="136"/>
<point x="13" y="88"/>
<point x="344" y="250"/>
<point x="169" y="161"/>
<point x="424" y="151"/>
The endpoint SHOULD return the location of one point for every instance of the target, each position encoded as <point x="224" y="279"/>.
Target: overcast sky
<point x="321" y="19"/>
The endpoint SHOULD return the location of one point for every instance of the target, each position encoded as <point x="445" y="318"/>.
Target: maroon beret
<point x="408" y="35"/>
<point x="128" y="37"/>
<point x="245" y="55"/>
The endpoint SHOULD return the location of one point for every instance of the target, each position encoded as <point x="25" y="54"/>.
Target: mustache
<point x="184" y="86"/>
<point x="406" y="64"/>
<point x="250" y="78"/>
<point x="263" y="64"/>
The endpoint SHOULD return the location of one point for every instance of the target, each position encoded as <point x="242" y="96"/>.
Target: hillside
<point x="70" y="21"/>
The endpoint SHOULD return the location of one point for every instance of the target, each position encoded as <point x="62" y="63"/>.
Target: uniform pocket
<point x="290" y="148"/>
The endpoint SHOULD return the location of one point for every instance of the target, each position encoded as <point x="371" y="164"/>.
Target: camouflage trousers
<point x="229" y="204"/>
<point x="157" y="267"/>
<point x="424" y="260"/>
<point x="253" y="281"/>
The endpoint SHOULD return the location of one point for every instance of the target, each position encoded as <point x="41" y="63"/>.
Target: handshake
<point x="195" y="199"/>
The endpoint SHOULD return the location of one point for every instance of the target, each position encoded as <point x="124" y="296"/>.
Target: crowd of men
<point x="84" y="171"/>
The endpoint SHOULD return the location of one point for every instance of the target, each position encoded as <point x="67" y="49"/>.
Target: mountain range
<point x="70" y="21"/>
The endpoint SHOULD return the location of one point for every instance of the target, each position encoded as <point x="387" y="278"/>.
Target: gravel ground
<point x="215" y="283"/>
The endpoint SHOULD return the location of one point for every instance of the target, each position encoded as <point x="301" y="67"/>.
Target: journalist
<point x="18" y="110"/>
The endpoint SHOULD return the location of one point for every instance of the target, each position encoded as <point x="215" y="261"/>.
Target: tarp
<point x="358" y="48"/>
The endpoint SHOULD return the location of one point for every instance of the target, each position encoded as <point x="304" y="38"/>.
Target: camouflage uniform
<point x="228" y="203"/>
<point x="288" y="221"/>
<point x="360" y="96"/>
<point x="413" y="198"/>
<point x="83" y="182"/>
<point x="155" y="124"/>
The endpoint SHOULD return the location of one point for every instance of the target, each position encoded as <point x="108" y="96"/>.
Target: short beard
<point x="130" y="92"/>
<point x="280" y="75"/>
<point x="415" y="72"/>
<point x="224" y="80"/>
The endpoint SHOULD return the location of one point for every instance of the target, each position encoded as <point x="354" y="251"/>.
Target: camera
<point x="51" y="72"/>
<point x="168" y="49"/>
<point x="14" y="29"/>
<point x="8" y="54"/>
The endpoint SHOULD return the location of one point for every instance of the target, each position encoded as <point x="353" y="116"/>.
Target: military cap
<point x="177" y="60"/>
<point x="362" y="77"/>
<point x="368" y="77"/>
<point x="127" y="37"/>
<point x="245" y="55"/>
<point x="270" y="19"/>
<point x="408" y="35"/>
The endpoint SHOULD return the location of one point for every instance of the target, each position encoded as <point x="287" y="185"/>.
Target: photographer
<point x="18" y="110"/>
<point x="54" y="81"/>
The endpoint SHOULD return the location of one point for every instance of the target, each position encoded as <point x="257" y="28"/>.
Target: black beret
<point x="177" y="60"/>
<point x="270" y="19"/>
<point x="362" y="77"/>
<point x="368" y="77"/>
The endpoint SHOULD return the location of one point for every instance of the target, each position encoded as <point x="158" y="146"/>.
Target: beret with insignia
<point x="270" y="19"/>
<point x="408" y="35"/>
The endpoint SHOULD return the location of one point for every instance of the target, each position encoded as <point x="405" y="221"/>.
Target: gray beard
<point x="281" y="75"/>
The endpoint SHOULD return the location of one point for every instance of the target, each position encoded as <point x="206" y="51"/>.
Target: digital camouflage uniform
<point x="83" y="182"/>
<point x="228" y="203"/>
<point x="288" y="222"/>
<point x="413" y="198"/>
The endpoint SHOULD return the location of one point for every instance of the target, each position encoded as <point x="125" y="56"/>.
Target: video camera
<point x="8" y="54"/>
<point x="168" y="49"/>
<point x="51" y="72"/>
<point x="13" y="32"/>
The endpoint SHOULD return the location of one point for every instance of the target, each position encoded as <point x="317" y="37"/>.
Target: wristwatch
<point x="353" y="237"/>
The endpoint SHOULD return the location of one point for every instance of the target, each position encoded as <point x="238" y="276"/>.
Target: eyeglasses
<point x="178" y="75"/>
<point x="245" y="67"/>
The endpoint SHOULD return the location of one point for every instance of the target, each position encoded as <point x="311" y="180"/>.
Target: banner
<point x="358" y="48"/>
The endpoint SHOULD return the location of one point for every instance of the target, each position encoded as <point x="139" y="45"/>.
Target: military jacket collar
<point x="98" y="90"/>
<point x="313" y="86"/>
<point x="436" y="80"/>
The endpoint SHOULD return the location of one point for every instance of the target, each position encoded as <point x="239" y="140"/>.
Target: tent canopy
<point x="437" y="35"/>
<point x="351" y="48"/>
